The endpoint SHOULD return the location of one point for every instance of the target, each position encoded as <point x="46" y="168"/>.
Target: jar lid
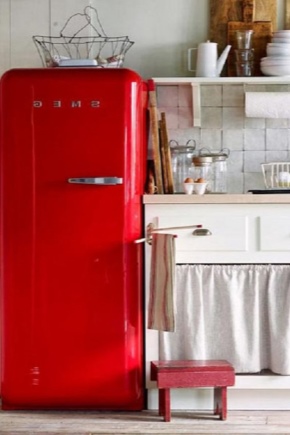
<point x="219" y="156"/>
<point x="182" y="148"/>
<point x="202" y="160"/>
<point x="189" y="147"/>
<point x="216" y="157"/>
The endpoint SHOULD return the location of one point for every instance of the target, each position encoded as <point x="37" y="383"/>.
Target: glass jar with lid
<point x="202" y="170"/>
<point x="181" y="158"/>
<point x="219" y="168"/>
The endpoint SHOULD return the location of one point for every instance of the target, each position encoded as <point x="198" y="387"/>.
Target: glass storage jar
<point x="181" y="158"/>
<point x="202" y="170"/>
<point x="219" y="168"/>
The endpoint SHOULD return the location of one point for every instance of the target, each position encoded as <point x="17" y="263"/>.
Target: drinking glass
<point x="244" y="39"/>
<point x="244" y="55"/>
<point x="245" y="69"/>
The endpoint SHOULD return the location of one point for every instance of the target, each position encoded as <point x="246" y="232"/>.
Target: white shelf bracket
<point x="196" y="109"/>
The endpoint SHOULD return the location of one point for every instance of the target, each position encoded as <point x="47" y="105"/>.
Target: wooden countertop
<point x="247" y="198"/>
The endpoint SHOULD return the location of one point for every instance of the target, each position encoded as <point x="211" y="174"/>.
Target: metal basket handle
<point x="88" y="19"/>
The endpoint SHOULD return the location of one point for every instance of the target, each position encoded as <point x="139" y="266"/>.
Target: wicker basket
<point x="107" y="51"/>
<point x="276" y="175"/>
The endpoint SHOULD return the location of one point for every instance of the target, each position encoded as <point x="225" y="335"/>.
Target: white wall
<point x="163" y="30"/>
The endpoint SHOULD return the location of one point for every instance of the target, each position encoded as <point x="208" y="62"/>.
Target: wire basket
<point x="105" y="51"/>
<point x="276" y="175"/>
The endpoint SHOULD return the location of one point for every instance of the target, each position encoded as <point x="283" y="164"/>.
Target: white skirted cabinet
<point x="245" y="230"/>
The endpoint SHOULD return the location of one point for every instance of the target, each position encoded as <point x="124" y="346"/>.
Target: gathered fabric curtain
<point x="240" y="313"/>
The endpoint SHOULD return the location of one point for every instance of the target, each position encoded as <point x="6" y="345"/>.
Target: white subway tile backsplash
<point x="277" y="123"/>
<point x="235" y="162"/>
<point x="253" y="160"/>
<point x="184" y="96"/>
<point x="233" y="139"/>
<point x="233" y="117"/>
<point x="167" y="96"/>
<point x="211" y="95"/>
<point x="278" y="88"/>
<point x="185" y="117"/>
<point x="251" y="141"/>
<point x="277" y="139"/>
<point x="255" y="140"/>
<point x="211" y="117"/>
<point x="277" y="156"/>
<point x="254" y="87"/>
<point x="255" y="123"/>
<point x="211" y="138"/>
<point x="233" y="96"/>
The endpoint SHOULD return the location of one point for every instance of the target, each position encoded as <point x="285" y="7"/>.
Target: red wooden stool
<point x="191" y="374"/>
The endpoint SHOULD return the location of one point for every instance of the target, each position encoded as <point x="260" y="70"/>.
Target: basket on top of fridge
<point x="96" y="49"/>
<point x="276" y="175"/>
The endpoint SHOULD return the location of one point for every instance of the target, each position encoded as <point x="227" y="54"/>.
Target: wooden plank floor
<point x="146" y="422"/>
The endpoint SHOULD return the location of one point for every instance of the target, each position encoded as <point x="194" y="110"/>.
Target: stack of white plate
<point x="277" y="62"/>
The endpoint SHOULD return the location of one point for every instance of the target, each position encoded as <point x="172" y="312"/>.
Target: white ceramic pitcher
<point x="208" y="64"/>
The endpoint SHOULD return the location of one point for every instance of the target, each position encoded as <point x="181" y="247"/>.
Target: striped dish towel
<point x="162" y="283"/>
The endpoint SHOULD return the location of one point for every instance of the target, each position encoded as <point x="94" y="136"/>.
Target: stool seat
<point x="218" y="374"/>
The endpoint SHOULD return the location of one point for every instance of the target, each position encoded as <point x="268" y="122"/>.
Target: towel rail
<point x="150" y="229"/>
<point x="154" y="230"/>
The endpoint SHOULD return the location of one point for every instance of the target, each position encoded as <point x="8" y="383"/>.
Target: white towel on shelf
<point x="162" y="283"/>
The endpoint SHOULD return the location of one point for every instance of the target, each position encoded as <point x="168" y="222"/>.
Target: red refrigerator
<point x="72" y="175"/>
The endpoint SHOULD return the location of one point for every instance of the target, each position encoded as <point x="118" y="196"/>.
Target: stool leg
<point x="220" y="402"/>
<point x="164" y="403"/>
<point x="216" y="401"/>
<point x="161" y="401"/>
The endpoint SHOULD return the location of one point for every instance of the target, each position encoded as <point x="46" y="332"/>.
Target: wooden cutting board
<point x="287" y="14"/>
<point x="266" y="10"/>
<point x="261" y="36"/>
<point x="223" y="11"/>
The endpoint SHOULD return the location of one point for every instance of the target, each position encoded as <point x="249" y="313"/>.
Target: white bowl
<point x="277" y="44"/>
<point x="275" y="70"/>
<point x="282" y="33"/>
<point x="281" y="40"/>
<point x="199" y="188"/>
<point x="278" y="50"/>
<point x="276" y="60"/>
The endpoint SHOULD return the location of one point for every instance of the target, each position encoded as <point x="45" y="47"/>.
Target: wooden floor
<point x="146" y="422"/>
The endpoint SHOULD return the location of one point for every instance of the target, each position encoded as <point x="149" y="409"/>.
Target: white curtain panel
<point x="240" y="313"/>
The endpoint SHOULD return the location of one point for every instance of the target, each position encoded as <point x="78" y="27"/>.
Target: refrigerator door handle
<point x="103" y="181"/>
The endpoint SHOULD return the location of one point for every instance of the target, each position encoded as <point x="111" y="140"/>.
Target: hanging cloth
<point x="162" y="282"/>
<point x="240" y="313"/>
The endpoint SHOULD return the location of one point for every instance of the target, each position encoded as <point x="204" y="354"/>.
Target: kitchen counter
<point x="247" y="198"/>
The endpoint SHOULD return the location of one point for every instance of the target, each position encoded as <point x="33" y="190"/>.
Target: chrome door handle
<point x="103" y="181"/>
